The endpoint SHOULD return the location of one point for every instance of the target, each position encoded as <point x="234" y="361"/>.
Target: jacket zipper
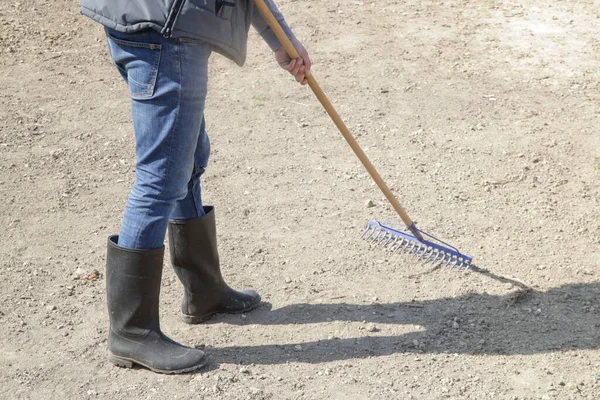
<point x="168" y="30"/>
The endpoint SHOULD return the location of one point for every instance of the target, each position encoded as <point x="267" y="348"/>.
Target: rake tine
<point x="370" y="230"/>
<point x="448" y="262"/>
<point x="418" y="246"/>
<point x="392" y="236"/>
<point x="406" y="244"/>
<point x="414" y="244"/>
<point x="367" y="229"/>
<point x="373" y="230"/>
<point x="398" y="242"/>
<point x="391" y="247"/>
<point x="418" y="250"/>
<point x="425" y="252"/>
<point x="376" y="237"/>
<point x="454" y="263"/>
<point x="433" y="251"/>
<point x="467" y="264"/>
<point x="385" y="234"/>
<point x="443" y="259"/>
<point x="379" y="231"/>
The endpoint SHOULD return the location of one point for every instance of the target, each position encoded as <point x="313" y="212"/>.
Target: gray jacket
<point x="222" y="23"/>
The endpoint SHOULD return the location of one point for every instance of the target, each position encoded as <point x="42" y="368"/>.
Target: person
<point x="161" y="49"/>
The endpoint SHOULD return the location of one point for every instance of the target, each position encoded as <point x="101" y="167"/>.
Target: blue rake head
<point x="436" y="252"/>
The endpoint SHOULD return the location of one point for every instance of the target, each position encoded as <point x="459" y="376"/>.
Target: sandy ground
<point x="482" y="117"/>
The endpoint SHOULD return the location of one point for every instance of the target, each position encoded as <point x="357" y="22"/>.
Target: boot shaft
<point x="133" y="279"/>
<point x="194" y="253"/>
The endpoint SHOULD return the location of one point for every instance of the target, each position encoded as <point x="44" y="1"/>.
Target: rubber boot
<point x="195" y="258"/>
<point x="132" y="291"/>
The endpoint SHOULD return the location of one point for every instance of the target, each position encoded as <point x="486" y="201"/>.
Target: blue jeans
<point x="167" y="81"/>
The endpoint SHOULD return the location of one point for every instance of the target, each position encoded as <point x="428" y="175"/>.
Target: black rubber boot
<point x="132" y="291"/>
<point x="195" y="258"/>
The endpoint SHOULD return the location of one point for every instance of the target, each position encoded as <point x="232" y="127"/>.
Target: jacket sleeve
<point x="263" y="28"/>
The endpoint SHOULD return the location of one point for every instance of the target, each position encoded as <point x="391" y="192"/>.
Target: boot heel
<point x="120" y="362"/>
<point x="192" y="320"/>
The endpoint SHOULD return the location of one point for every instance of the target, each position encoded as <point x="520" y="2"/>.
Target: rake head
<point x="434" y="250"/>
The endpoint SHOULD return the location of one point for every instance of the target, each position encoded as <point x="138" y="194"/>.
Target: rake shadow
<point x="524" y="322"/>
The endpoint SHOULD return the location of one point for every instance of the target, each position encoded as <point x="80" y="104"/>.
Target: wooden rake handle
<point x="293" y="53"/>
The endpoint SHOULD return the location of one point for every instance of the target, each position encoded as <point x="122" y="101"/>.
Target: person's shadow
<point x="523" y="322"/>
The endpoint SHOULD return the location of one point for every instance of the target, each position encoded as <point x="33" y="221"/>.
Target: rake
<point x="406" y="238"/>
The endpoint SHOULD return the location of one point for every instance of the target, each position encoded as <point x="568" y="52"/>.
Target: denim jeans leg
<point x="191" y="206"/>
<point x="167" y="123"/>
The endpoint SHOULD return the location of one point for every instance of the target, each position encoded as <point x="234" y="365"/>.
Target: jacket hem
<point x="109" y="23"/>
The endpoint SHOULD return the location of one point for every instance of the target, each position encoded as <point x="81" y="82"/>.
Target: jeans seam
<point x="175" y="129"/>
<point x="196" y="182"/>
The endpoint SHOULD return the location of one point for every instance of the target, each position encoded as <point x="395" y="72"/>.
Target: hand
<point x="299" y="67"/>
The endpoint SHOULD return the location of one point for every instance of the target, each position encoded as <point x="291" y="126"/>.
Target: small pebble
<point x="369" y="204"/>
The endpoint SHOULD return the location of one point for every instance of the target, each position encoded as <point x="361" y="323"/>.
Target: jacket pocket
<point x="224" y="8"/>
<point x="138" y="62"/>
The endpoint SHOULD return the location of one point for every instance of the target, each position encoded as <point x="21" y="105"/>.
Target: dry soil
<point x="481" y="115"/>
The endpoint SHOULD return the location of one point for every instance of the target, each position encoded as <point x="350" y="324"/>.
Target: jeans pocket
<point x="138" y="63"/>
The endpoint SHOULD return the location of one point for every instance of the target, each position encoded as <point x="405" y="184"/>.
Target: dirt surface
<point x="483" y="118"/>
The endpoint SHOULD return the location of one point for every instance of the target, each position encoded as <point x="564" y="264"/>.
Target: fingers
<point x="298" y="66"/>
<point x="290" y="66"/>
<point x="307" y="62"/>
<point x="298" y="69"/>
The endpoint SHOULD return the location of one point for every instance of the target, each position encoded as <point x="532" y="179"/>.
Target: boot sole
<point x="124" y="362"/>
<point x="194" y="320"/>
